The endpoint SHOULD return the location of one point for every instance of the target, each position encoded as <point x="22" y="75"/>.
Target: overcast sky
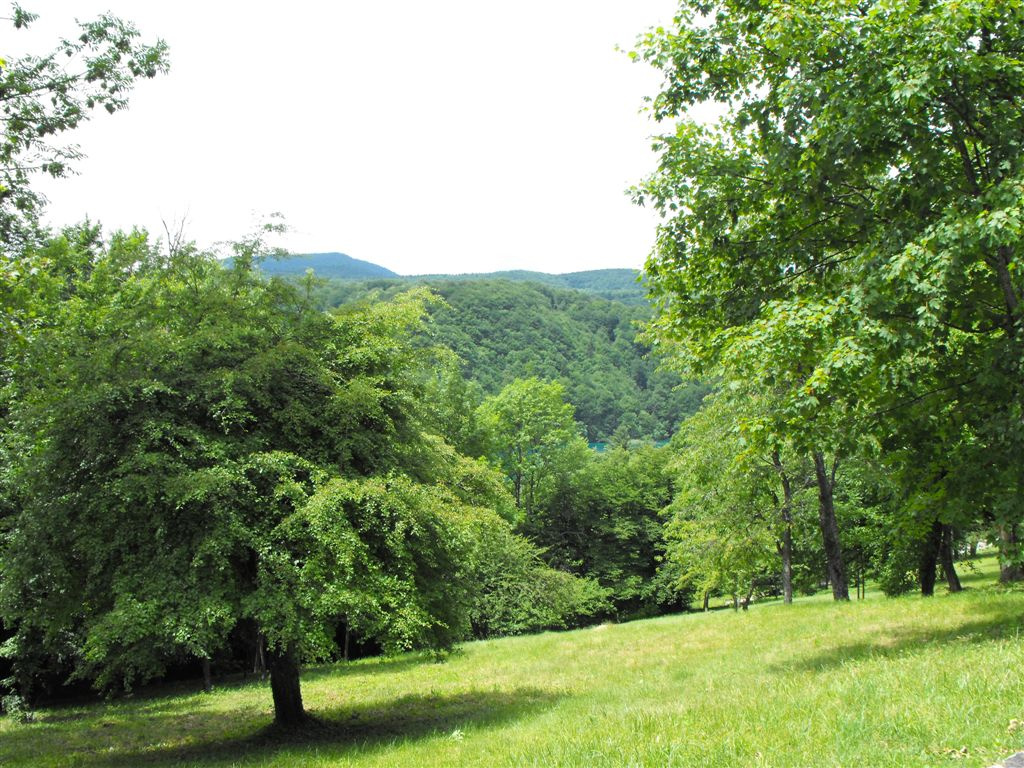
<point x="446" y="136"/>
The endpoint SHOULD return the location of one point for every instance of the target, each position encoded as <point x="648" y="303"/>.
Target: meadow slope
<point x="900" y="682"/>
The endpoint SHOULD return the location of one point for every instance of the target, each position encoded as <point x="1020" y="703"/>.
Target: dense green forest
<point x="502" y="330"/>
<point x="622" y="285"/>
<point x="207" y="468"/>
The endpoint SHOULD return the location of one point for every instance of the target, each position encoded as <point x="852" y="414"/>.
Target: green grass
<point x="902" y="682"/>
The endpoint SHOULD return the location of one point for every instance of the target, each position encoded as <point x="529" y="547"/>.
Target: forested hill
<point x="614" y="284"/>
<point x="328" y="265"/>
<point x="503" y="330"/>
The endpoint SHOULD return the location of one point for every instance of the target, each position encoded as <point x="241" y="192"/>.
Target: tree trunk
<point x="946" y="558"/>
<point x="1009" y="555"/>
<point x="787" y="564"/>
<point x="929" y="559"/>
<point x="284" y="687"/>
<point x="348" y="634"/>
<point x="830" y="529"/>
<point x="259" y="663"/>
<point x="749" y="596"/>
<point x="207" y="676"/>
<point x="786" y="547"/>
<point x="707" y="600"/>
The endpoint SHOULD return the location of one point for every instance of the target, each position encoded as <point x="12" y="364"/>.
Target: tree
<point x="600" y="516"/>
<point x="862" y="191"/>
<point x="194" y="447"/>
<point x="528" y="424"/>
<point x="44" y="96"/>
<point x="734" y="511"/>
<point x="515" y="591"/>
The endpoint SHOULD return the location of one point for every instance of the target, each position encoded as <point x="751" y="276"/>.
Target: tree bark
<point x="207" y="676"/>
<point x="830" y="529"/>
<point x="1009" y="555"/>
<point x="1001" y="264"/>
<point x="284" y="687"/>
<point x="259" y="664"/>
<point x="707" y="601"/>
<point x="929" y="559"/>
<point x="786" y="547"/>
<point x="946" y="558"/>
<point x="749" y="596"/>
<point x="787" y="564"/>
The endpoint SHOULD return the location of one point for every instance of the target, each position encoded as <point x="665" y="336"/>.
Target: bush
<point x="517" y="593"/>
<point x="16" y="708"/>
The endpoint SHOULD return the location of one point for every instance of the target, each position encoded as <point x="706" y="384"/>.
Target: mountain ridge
<point x="615" y="284"/>
<point x="333" y="265"/>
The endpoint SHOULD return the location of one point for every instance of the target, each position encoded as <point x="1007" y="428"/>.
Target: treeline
<point x="503" y="330"/>
<point x="621" y="285"/>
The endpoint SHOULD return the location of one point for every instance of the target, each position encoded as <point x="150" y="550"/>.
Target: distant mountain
<point x="613" y="284"/>
<point x="334" y="266"/>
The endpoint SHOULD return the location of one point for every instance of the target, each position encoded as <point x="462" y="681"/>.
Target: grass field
<point x="903" y="682"/>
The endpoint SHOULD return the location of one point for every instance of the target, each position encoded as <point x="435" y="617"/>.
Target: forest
<point x="210" y="470"/>
<point x="502" y="329"/>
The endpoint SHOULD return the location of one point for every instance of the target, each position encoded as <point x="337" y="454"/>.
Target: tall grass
<point x="901" y="682"/>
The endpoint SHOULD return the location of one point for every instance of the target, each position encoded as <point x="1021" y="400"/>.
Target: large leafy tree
<point x="193" y="448"/>
<point x="859" y="201"/>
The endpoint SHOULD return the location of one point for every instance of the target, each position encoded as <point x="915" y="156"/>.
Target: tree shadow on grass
<point x="367" y="726"/>
<point x="168" y="698"/>
<point x="898" y="641"/>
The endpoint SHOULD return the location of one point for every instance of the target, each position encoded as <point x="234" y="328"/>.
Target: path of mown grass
<point x="905" y="682"/>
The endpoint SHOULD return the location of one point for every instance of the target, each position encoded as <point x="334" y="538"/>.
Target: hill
<point x="614" y="284"/>
<point x="621" y="285"/>
<point x="880" y="682"/>
<point x="504" y="329"/>
<point x="335" y="266"/>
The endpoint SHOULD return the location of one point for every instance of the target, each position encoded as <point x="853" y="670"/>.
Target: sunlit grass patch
<point x="900" y="682"/>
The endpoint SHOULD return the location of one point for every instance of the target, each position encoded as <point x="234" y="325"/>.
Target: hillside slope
<point x="880" y="683"/>
<point x="336" y="266"/>
<point x="503" y="330"/>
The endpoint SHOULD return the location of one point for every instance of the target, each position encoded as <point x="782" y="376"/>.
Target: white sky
<point x="445" y="136"/>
